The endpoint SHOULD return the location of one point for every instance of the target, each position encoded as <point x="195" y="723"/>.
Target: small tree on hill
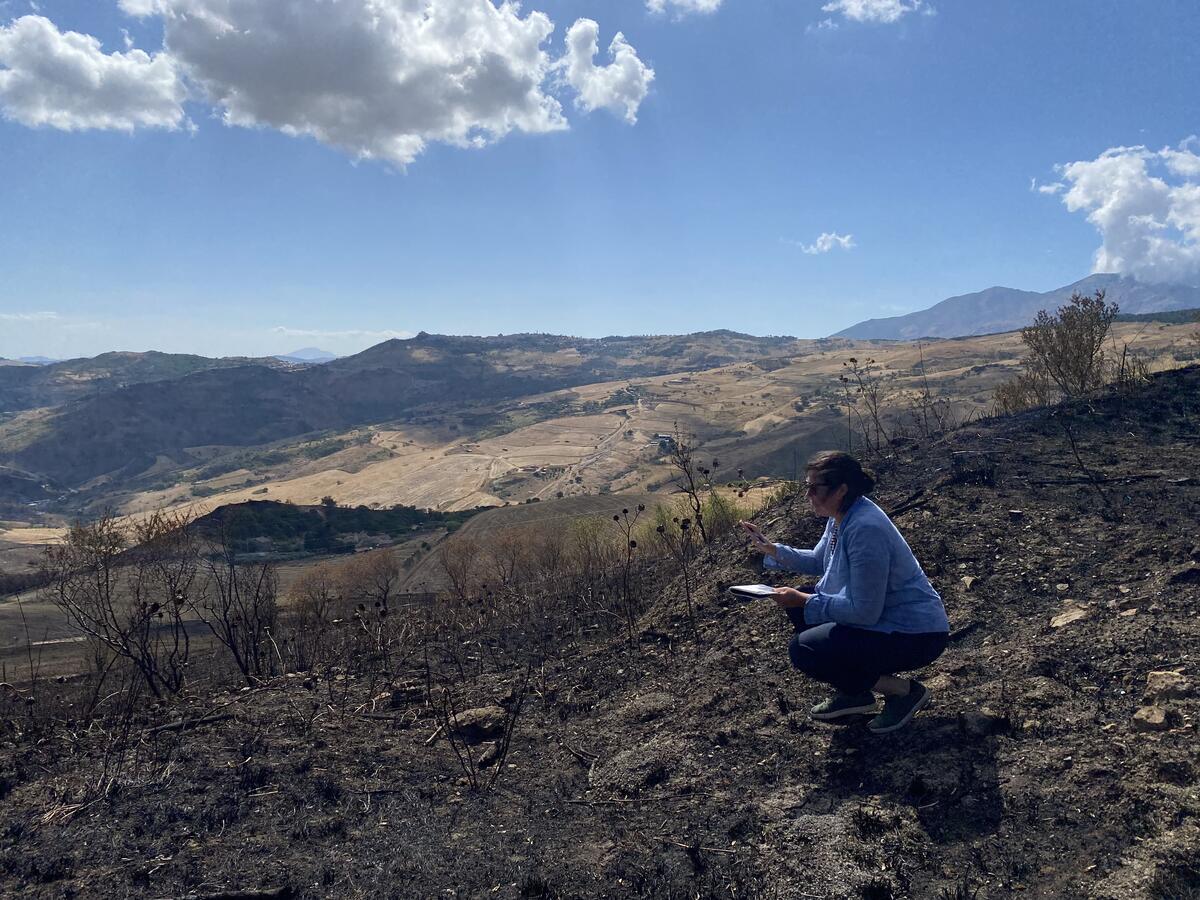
<point x="1066" y="355"/>
<point x="1067" y="345"/>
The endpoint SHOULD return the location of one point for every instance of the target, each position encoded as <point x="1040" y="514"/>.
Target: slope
<point x="125" y="430"/>
<point x="686" y="766"/>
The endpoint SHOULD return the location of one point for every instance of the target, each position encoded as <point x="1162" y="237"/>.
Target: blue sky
<point x="926" y="145"/>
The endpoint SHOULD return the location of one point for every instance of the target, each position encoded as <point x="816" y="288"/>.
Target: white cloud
<point x="823" y="25"/>
<point x="349" y="335"/>
<point x="885" y="11"/>
<point x="29" y="317"/>
<point x="1056" y="187"/>
<point x="381" y="79"/>
<point x="64" y="80"/>
<point x="378" y="79"/>
<point x="1146" y="206"/>
<point x="620" y="86"/>
<point x="683" y="7"/>
<point x="825" y="242"/>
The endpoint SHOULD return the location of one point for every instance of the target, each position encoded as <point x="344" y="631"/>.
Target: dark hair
<point x="835" y="468"/>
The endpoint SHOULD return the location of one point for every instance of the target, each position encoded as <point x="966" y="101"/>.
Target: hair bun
<point x="867" y="484"/>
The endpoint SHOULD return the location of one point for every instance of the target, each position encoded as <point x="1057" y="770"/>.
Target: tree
<point x="240" y="609"/>
<point x="1067" y="345"/>
<point x="373" y="578"/>
<point x="125" y="586"/>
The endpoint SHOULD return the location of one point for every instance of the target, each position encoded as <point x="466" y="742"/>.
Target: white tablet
<point x="751" y="591"/>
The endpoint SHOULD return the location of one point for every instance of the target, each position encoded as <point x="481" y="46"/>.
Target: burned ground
<point x="1065" y="543"/>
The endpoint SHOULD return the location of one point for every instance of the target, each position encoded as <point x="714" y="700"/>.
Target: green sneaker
<point x="897" y="711"/>
<point x="843" y="705"/>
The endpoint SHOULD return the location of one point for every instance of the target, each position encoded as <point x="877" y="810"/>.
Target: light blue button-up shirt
<point x="869" y="576"/>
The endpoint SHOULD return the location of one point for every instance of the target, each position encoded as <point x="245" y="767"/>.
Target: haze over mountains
<point x="999" y="309"/>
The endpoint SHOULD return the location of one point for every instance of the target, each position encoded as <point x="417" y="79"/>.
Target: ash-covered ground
<point x="1060" y="758"/>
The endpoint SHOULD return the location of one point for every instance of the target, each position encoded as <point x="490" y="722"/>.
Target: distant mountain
<point x="38" y="360"/>
<point x="308" y="355"/>
<point x="124" y="430"/>
<point x="1006" y="309"/>
<point x="31" y="386"/>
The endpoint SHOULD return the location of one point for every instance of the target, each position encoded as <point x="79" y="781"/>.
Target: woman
<point x="872" y="614"/>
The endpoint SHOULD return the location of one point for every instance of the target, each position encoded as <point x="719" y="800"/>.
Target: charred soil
<point x="1052" y="763"/>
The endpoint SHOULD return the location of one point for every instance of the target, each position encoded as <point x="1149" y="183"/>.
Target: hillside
<point x="1006" y="309"/>
<point x="1053" y="764"/>
<point x="127" y="430"/>
<point x="25" y="387"/>
<point x="761" y="414"/>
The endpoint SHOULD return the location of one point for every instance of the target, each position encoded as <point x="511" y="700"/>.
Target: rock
<point x="1126" y="613"/>
<point x="968" y="580"/>
<point x="940" y="682"/>
<point x="1167" y="685"/>
<point x="1016" y="514"/>
<point x="1189" y="574"/>
<point x="489" y="756"/>
<point x="649" y="707"/>
<point x="1150" y="718"/>
<point x="1062" y="587"/>
<point x="1195" y="554"/>
<point x="1071" y="614"/>
<point x="1041" y="692"/>
<point x="474" y="726"/>
<point x="1127" y="602"/>
<point x="979" y="723"/>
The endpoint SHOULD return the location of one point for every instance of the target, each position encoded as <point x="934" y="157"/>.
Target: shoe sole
<point x="917" y="707"/>
<point x="848" y="711"/>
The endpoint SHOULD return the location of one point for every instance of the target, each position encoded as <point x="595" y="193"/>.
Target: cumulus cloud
<point x="884" y="11"/>
<point x="1146" y="206"/>
<point x="377" y="79"/>
<point x="825" y="242"/>
<point x="65" y="80"/>
<point x="683" y="7"/>
<point x="620" y="86"/>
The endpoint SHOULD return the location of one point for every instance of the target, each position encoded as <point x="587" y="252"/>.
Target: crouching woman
<point x="872" y="614"/>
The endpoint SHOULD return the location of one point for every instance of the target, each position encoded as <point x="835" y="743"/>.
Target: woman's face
<point x="825" y="500"/>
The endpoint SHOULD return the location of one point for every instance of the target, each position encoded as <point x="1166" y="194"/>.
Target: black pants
<point x="852" y="659"/>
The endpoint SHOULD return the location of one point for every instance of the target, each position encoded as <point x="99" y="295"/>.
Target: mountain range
<point x="70" y="423"/>
<point x="999" y="309"/>
<point x="307" y="355"/>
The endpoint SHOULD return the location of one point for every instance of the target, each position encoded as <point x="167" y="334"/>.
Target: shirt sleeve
<point x="861" y="601"/>
<point x="806" y="562"/>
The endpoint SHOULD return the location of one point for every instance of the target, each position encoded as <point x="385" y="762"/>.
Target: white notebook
<point x="751" y="590"/>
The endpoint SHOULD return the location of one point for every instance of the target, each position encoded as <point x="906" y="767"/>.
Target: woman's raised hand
<point x="757" y="539"/>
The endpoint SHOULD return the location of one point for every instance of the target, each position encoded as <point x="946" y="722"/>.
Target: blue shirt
<point x="869" y="576"/>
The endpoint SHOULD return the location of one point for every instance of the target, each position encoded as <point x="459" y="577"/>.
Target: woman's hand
<point x="758" y="540"/>
<point x="790" y="598"/>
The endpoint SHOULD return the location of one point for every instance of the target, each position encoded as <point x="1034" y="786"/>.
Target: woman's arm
<point x="861" y="601"/>
<point x="780" y="556"/>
